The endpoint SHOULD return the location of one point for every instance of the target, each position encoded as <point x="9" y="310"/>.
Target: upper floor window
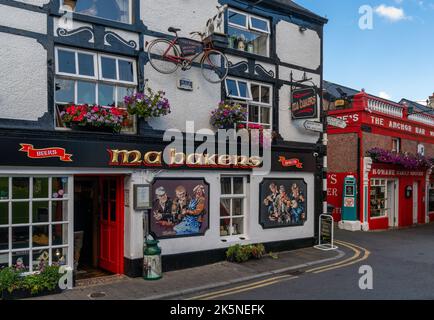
<point x="115" y="10"/>
<point x="396" y="145"/>
<point x="257" y="97"/>
<point x="84" y="77"/>
<point x="248" y="33"/>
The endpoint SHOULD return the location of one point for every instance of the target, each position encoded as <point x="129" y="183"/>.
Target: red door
<point x="111" y="224"/>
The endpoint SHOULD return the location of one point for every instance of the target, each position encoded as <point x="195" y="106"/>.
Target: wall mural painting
<point x="180" y="208"/>
<point x="283" y="203"/>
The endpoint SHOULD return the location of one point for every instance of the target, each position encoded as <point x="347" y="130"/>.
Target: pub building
<point x="78" y="195"/>
<point x="388" y="148"/>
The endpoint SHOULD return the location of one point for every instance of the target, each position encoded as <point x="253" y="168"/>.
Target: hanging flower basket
<point x="408" y="161"/>
<point x="148" y="105"/>
<point x="94" y="118"/>
<point x="228" y="116"/>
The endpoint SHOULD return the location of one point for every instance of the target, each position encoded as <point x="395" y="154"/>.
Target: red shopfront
<point x="388" y="195"/>
<point x="396" y="197"/>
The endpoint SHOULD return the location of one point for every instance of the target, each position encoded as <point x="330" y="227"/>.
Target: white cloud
<point x="385" y="95"/>
<point x="391" y="13"/>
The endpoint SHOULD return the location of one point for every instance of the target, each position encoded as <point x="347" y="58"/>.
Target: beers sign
<point x="304" y="103"/>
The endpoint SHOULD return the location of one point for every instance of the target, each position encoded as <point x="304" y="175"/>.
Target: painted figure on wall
<point x="185" y="215"/>
<point x="193" y="215"/>
<point x="283" y="204"/>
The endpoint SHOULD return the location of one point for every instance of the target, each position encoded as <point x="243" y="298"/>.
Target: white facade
<point x="31" y="31"/>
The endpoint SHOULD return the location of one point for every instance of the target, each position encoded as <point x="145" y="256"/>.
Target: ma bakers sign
<point x="179" y="159"/>
<point x="304" y="103"/>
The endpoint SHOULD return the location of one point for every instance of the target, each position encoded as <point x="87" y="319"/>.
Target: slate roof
<point x="334" y="90"/>
<point x="293" y="7"/>
<point x="417" y="106"/>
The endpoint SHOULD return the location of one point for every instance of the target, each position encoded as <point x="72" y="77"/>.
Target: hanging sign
<point x="304" y="103"/>
<point x="314" y="126"/>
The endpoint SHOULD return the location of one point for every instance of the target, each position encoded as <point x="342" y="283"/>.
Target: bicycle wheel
<point x="158" y="51"/>
<point x="215" y="66"/>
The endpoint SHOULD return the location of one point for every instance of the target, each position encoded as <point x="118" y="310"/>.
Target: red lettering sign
<point x="291" y="162"/>
<point x="45" y="153"/>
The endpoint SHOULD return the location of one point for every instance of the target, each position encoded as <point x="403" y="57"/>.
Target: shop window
<point x="378" y="198"/>
<point x="115" y="10"/>
<point x="34" y="222"/>
<point x="396" y="145"/>
<point x="256" y="97"/>
<point x="84" y="77"/>
<point x="248" y="33"/>
<point x="232" y="206"/>
<point x="431" y="198"/>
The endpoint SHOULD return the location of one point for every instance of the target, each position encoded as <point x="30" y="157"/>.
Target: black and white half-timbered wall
<point x="75" y="193"/>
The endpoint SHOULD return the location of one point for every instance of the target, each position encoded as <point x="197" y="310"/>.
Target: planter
<point x="218" y="41"/>
<point x="25" y="294"/>
<point x="104" y="129"/>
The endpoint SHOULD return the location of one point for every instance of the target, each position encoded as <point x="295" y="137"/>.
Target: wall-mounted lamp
<point x="302" y="28"/>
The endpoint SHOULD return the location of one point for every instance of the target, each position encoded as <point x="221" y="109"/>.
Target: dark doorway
<point x="95" y="198"/>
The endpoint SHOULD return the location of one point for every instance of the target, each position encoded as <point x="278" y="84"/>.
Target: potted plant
<point x="232" y="41"/>
<point x="148" y="105"/>
<point x="228" y="116"/>
<point x="94" y="117"/>
<point x="16" y="284"/>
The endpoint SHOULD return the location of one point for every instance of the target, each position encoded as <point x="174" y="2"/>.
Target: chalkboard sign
<point x="326" y="241"/>
<point x="326" y="230"/>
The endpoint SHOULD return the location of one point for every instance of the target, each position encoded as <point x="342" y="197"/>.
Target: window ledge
<point x="248" y="55"/>
<point x="135" y="27"/>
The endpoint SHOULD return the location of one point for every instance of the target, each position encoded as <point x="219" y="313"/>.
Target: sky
<point x="394" y="59"/>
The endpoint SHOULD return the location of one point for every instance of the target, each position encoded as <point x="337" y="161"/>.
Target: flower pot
<point x="89" y="128"/>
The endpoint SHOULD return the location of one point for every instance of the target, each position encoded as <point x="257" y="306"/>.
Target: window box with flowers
<point x="94" y="118"/>
<point x="148" y="105"/>
<point x="228" y="116"/>
<point x="408" y="161"/>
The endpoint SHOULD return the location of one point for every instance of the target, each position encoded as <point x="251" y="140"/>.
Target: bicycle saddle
<point x="172" y="29"/>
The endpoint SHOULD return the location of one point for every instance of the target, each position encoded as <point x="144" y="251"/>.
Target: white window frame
<point x="77" y="75"/>
<point x="257" y="29"/>
<point x="248" y="26"/>
<point x="117" y="58"/>
<point x="97" y="80"/>
<point x="130" y="15"/>
<point x="396" y="141"/>
<point x="375" y="182"/>
<point x="244" y="197"/>
<point x="251" y="102"/>
<point x="70" y="221"/>
<point x="237" y="81"/>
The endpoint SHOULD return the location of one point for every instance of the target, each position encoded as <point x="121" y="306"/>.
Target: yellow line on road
<point x="248" y="289"/>
<point x="345" y="263"/>
<point x="270" y="281"/>
<point x="239" y="287"/>
<point x="355" y="256"/>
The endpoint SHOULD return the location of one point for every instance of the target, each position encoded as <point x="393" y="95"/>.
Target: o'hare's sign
<point x="326" y="233"/>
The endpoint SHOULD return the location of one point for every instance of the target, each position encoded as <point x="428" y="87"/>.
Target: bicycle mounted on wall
<point x="166" y="56"/>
